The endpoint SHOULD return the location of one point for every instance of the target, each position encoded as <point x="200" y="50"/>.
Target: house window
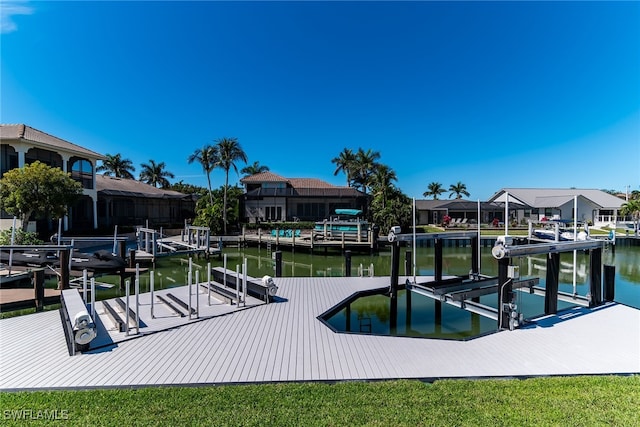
<point x="47" y="157"/>
<point x="82" y="171"/>
<point x="9" y="159"/>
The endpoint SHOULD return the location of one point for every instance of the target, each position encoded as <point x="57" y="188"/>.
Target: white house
<point x="21" y="145"/>
<point x="536" y="203"/>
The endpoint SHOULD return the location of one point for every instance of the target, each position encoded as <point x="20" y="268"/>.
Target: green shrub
<point x="21" y="237"/>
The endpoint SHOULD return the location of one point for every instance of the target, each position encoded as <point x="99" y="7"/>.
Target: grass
<point x="557" y="401"/>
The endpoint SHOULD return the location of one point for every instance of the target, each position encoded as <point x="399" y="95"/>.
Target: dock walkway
<point x="284" y="341"/>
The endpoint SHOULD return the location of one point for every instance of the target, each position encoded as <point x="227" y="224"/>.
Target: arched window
<point x="9" y="159"/>
<point x="47" y="157"/>
<point x="82" y="171"/>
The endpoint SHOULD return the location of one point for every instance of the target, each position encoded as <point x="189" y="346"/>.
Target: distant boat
<point x="548" y="232"/>
<point x="98" y="262"/>
<point x="345" y="222"/>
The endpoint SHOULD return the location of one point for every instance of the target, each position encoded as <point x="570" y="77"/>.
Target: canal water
<point x="417" y="315"/>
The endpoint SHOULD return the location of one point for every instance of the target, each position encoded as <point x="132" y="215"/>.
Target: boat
<point x="34" y="258"/>
<point x="347" y="223"/>
<point x="557" y="230"/>
<point x="101" y="261"/>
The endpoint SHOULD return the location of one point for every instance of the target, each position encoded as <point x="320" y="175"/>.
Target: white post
<point x="13" y="240"/>
<point x="575" y="237"/>
<point x="71" y="253"/>
<point x="237" y="283"/>
<point x="189" y="277"/>
<point x="479" y="236"/>
<point x="371" y="272"/>
<point x="84" y="286"/>
<point x="506" y="214"/>
<point x="414" y="244"/>
<point x="224" y="274"/>
<point x="115" y="240"/>
<point x="151" y="286"/>
<point x="209" y="282"/>
<point x="197" y="294"/>
<point x="137" y="290"/>
<point x="244" y="283"/>
<point x="93" y="298"/>
<point x="59" y="230"/>
<point x="126" y="314"/>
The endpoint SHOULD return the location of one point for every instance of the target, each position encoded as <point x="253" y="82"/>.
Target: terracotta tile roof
<point x="309" y="183"/>
<point x="111" y="186"/>
<point x="42" y="139"/>
<point x="263" y="177"/>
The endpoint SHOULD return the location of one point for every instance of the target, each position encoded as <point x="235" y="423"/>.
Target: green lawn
<point x="573" y="401"/>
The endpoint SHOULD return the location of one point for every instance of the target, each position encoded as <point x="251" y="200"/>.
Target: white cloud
<point x="9" y="8"/>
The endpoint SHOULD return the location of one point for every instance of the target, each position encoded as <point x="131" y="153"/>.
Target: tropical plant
<point x="185" y="188"/>
<point x="20" y="237"/>
<point x="363" y="167"/>
<point x="382" y="182"/>
<point x="211" y="215"/>
<point x="117" y="166"/>
<point x="632" y="208"/>
<point x="434" y="190"/>
<point x="459" y="190"/>
<point x="154" y="173"/>
<point x="229" y="152"/>
<point x="37" y="189"/>
<point x="395" y="210"/>
<point x="208" y="157"/>
<point x="345" y="162"/>
<point x="253" y="169"/>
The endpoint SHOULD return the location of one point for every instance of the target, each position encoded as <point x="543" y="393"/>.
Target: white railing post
<point x="84" y="286"/>
<point x="244" y="283"/>
<point x="93" y="299"/>
<point x="189" y="278"/>
<point x="197" y="294"/>
<point x="151" y="286"/>
<point x="237" y="283"/>
<point x="126" y="314"/>
<point x="209" y="282"/>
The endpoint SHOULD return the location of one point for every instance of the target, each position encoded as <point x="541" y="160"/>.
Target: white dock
<point x="284" y="341"/>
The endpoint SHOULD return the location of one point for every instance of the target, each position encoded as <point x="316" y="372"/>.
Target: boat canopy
<point x="348" y="212"/>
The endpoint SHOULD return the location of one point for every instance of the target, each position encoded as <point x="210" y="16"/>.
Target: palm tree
<point x="434" y="189"/>
<point x="459" y="190"/>
<point x="632" y="209"/>
<point x="229" y="152"/>
<point x="116" y="165"/>
<point x="253" y="169"/>
<point x="345" y="163"/>
<point x="153" y="173"/>
<point x="381" y="182"/>
<point x="208" y="157"/>
<point x="364" y="165"/>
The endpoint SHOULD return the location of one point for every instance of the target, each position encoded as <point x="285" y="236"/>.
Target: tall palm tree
<point x="208" y="157"/>
<point x="382" y="182"/>
<point x="229" y="152"/>
<point x="459" y="190"/>
<point x="116" y="165"/>
<point x="345" y="163"/>
<point x="364" y="165"/>
<point x="253" y="169"/>
<point x="154" y="173"/>
<point x="434" y="189"/>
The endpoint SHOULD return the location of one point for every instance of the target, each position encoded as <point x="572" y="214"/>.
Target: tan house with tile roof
<point x="21" y="145"/>
<point x="271" y="197"/>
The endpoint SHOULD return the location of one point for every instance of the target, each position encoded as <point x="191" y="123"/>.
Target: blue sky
<point x="493" y="94"/>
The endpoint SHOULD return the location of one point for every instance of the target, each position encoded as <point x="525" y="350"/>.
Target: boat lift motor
<point x="79" y="321"/>
<point x="267" y="282"/>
